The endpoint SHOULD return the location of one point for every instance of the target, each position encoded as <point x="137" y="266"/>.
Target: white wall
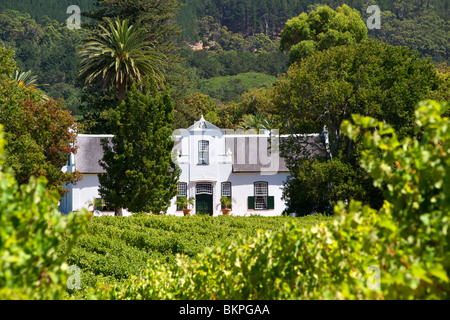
<point x="242" y="188"/>
<point x="85" y="191"/>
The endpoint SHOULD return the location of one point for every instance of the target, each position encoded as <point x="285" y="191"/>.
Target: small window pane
<point x="261" y="189"/>
<point x="261" y="195"/>
<point x="182" y="189"/>
<point x="261" y="203"/>
<point x="226" y="189"/>
<point x="203" y="152"/>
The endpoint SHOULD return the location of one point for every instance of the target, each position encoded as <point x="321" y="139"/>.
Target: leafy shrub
<point x="407" y="239"/>
<point x="328" y="181"/>
<point x="31" y="229"/>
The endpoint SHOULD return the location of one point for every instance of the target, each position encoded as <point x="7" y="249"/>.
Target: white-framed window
<point x="226" y="192"/>
<point x="261" y="192"/>
<point x="203" y="152"/>
<point x="182" y="192"/>
<point x="226" y="189"/>
<point x="203" y="188"/>
<point x="182" y="189"/>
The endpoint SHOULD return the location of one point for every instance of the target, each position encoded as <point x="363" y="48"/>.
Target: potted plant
<point x="95" y="206"/>
<point x="184" y="202"/>
<point x="225" y="202"/>
<point x="90" y="206"/>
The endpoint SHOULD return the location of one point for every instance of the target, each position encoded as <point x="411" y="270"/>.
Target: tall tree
<point x="40" y="134"/>
<point x="119" y="54"/>
<point x="138" y="160"/>
<point x="370" y="78"/>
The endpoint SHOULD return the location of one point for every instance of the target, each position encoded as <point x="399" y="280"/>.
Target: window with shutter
<point x="261" y="190"/>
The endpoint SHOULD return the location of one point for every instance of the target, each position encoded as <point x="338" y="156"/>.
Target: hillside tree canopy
<point x="321" y="29"/>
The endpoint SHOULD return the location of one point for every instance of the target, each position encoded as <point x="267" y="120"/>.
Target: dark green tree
<point x="370" y="78"/>
<point x="191" y="107"/>
<point x="139" y="176"/>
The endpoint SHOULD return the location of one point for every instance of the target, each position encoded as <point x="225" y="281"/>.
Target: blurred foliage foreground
<point x="398" y="252"/>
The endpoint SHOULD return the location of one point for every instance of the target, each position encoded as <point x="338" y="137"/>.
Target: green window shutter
<point x="98" y="204"/>
<point x="251" y="202"/>
<point x="271" y="202"/>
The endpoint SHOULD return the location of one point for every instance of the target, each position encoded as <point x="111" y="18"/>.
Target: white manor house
<point x="214" y="162"/>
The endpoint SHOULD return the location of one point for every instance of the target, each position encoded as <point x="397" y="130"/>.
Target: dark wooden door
<point x="204" y="204"/>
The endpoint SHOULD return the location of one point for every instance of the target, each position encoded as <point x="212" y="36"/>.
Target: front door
<point x="204" y="198"/>
<point x="204" y="204"/>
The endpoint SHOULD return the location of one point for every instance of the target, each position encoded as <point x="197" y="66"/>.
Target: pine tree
<point x="138" y="159"/>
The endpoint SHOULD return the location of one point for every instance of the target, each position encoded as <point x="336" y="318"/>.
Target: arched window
<point x="203" y="188"/>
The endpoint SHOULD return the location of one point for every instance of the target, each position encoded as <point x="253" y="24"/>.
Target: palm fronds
<point x="119" y="54"/>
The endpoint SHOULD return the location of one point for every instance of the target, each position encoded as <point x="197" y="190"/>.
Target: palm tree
<point x="24" y="78"/>
<point x="28" y="79"/>
<point x="118" y="55"/>
<point x="257" y="122"/>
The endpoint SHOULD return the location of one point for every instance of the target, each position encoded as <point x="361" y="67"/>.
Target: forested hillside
<point x="242" y="16"/>
<point x="218" y="39"/>
<point x="268" y="16"/>
<point x="422" y="25"/>
<point x="55" y="9"/>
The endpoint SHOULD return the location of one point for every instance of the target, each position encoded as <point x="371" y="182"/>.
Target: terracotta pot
<point x="226" y="212"/>
<point x="187" y="212"/>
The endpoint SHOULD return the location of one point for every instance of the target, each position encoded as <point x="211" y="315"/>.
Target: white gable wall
<point x="85" y="191"/>
<point x="220" y="170"/>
